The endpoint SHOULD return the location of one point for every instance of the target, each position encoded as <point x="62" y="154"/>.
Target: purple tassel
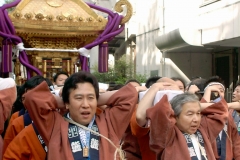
<point x="84" y="63"/>
<point x="103" y="58"/>
<point x="6" y="64"/>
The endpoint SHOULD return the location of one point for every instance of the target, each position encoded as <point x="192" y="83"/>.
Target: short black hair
<point x="132" y="80"/>
<point x="151" y="80"/>
<point x="238" y="84"/>
<point x="117" y="87"/>
<point x="111" y="86"/>
<point x="32" y="83"/>
<point x="200" y="83"/>
<point x="18" y="105"/>
<point x="59" y="73"/>
<point x="179" y="79"/>
<point x="74" y="79"/>
<point x="214" y="79"/>
<point x="36" y="80"/>
<point x="195" y="77"/>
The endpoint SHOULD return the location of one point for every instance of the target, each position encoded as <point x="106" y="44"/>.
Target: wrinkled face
<point x="180" y="85"/>
<point x="61" y="79"/>
<point x="189" y="119"/>
<point x="221" y="89"/>
<point x="82" y="103"/>
<point x="236" y="94"/>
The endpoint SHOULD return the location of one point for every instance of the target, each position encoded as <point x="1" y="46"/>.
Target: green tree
<point x="122" y="71"/>
<point x="9" y="1"/>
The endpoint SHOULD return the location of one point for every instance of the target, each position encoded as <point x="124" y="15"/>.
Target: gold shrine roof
<point x="56" y="17"/>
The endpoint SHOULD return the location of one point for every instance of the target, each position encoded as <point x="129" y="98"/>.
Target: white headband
<point x="214" y="83"/>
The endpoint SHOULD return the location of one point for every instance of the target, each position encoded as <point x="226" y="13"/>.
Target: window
<point x="153" y="73"/>
<point x="207" y="2"/>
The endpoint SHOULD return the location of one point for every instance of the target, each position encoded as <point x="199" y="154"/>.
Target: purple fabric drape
<point x="7" y="31"/>
<point x="103" y="58"/>
<point x="6" y="58"/>
<point x="112" y="29"/>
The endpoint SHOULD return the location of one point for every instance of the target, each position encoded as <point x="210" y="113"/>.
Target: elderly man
<point x="181" y="130"/>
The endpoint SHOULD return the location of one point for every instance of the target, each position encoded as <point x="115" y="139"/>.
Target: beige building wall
<point x="216" y="24"/>
<point x="158" y="17"/>
<point x="148" y="27"/>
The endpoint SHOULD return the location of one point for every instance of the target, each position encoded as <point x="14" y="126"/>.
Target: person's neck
<point x="86" y="125"/>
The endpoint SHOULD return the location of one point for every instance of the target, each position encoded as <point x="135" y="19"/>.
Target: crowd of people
<point x="165" y="119"/>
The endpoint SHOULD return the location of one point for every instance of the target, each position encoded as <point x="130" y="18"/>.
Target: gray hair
<point x="178" y="101"/>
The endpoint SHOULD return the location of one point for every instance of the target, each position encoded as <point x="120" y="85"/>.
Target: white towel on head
<point x="6" y="83"/>
<point x="160" y="94"/>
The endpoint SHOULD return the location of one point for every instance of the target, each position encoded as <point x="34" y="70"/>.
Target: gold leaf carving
<point x="80" y="19"/>
<point x="39" y="16"/>
<point x="17" y="15"/>
<point x="55" y="3"/>
<point x="100" y="19"/>
<point x="70" y="18"/>
<point x="49" y="17"/>
<point x="90" y="19"/>
<point x="118" y="7"/>
<point x="28" y="16"/>
<point x="60" y="18"/>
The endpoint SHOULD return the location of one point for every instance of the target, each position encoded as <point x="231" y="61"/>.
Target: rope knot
<point x="84" y="52"/>
<point x="20" y="47"/>
<point x="118" y="150"/>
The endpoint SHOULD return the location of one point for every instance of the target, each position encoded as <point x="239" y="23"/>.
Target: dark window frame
<point x="207" y="2"/>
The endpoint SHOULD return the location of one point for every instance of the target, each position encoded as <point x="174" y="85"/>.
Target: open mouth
<point x="194" y="127"/>
<point x="85" y="114"/>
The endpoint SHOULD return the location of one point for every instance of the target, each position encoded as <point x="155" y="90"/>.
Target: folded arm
<point x="147" y="101"/>
<point x="162" y="125"/>
<point x="121" y="106"/>
<point x="41" y="105"/>
<point x="8" y="96"/>
<point x="214" y="117"/>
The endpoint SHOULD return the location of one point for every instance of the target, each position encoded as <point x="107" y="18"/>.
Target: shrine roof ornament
<point x="56" y="17"/>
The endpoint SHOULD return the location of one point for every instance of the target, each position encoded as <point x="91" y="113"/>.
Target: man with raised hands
<point x="182" y="129"/>
<point x="227" y="143"/>
<point x="83" y="132"/>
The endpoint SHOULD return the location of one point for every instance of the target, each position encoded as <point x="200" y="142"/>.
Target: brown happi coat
<point x="13" y="129"/>
<point x="168" y="142"/>
<point x="7" y="98"/>
<point x="25" y="146"/>
<point x="112" y="122"/>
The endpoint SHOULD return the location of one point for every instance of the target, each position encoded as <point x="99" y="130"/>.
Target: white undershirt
<point x="220" y="135"/>
<point x="195" y="143"/>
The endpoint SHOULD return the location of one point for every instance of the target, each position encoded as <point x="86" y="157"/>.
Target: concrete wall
<point x="154" y="18"/>
<point x="220" y="21"/>
<point x="191" y="64"/>
<point x="93" y="57"/>
<point x="160" y="17"/>
<point x="148" y="56"/>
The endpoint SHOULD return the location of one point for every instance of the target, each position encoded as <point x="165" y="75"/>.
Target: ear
<point x="67" y="106"/>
